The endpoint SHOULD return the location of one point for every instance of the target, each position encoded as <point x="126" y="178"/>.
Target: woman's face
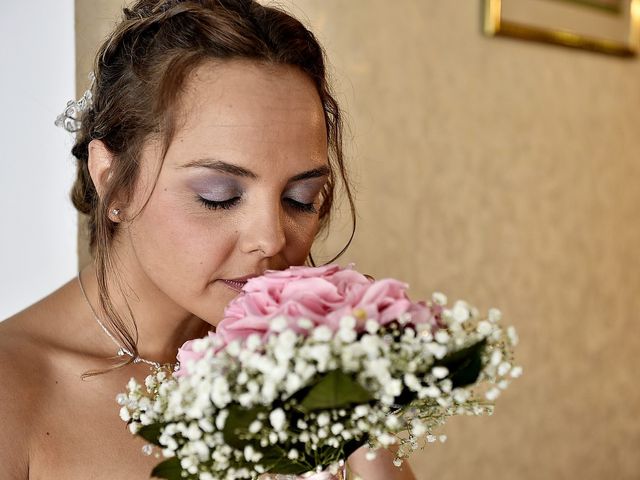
<point x="239" y="190"/>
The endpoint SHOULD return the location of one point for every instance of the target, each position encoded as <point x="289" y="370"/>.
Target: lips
<point x="235" y="284"/>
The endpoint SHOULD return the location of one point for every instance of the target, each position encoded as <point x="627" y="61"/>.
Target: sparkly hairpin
<point x="70" y="118"/>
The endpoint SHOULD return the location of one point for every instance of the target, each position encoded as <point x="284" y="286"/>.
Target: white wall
<point x="37" y="220"/>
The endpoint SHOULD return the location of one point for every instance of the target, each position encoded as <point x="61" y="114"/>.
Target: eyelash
<point x="232" y="202"/>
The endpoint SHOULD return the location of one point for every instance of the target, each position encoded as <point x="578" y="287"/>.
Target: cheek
<point x="300" y="236"/>
<point x="177" y="245"/>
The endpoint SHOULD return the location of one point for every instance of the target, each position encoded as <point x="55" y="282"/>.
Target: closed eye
<point x="224" y="204"/>
<point x="300" y="206"/>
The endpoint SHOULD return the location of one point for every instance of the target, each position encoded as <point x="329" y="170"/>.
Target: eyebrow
<point x="238" y="171"/>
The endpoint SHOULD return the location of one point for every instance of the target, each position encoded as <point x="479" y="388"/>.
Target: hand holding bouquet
<point x="308" y="365"/>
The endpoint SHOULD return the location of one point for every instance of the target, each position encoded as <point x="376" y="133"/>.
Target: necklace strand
<point x="121" y="350"/>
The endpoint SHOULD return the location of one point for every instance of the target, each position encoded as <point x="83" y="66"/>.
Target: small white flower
<point x="293" y="454"/>
<point x="460" y="312"/>
<point x="255" y="426"/>
<point x="360" y="411"/>
<point x="253" y="342"/>
<point x="431" y="391"/>
<point x="221" y="418"/>
<point x="439" y="298"/>
<point x="347" y="322"/>
<point x="323" y="419"/>
<point x="504" y="368"/>
<point x="305" y="323"/>
<point x="442" y="336"/>
<point x="437" y="350"/>
<point x="492" y="394"/>
<point x="124" y="414"/>
<point x="513" y="336"/>
<point x="322" y="333"/>
<point x="484" y="328"/>
<point x="277" y="419"/>
<point x="278" y="324"/>
<point x="418" y="428"/>
<point x="347" y="335"/>
<point x="371" y="326"/>
<point x="337" y="428"/>
<point x="392" y="422"/>
<point x="495" y="315"/>
<point x="370" y="455"/>
<point x="496" y="358"/>
<point x="516" y="371"/>
<point x="440" y="372"/>
<point x="233" y="348"/>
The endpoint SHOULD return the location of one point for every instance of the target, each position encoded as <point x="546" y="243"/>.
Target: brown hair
<point x="139" y="72"/>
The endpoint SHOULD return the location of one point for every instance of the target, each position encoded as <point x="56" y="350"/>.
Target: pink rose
<point x="322" y="295"/>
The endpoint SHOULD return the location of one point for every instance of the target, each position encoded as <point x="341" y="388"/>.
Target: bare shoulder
<point x="23" y="370"/>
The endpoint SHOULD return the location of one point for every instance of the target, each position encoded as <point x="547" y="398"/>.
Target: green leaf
<point x="335" y="390"/>
<point x="169" y="469"/>
<point x="275" y="461"/>
<point x="238" y="421"/>
<point x="151" y="433"/>
<point x="464" y="365"/>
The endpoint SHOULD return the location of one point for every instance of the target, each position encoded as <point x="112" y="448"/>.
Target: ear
<point x="100" y="162"/>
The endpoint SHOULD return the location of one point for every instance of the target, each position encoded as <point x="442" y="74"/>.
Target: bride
<point x="208" y="150"/>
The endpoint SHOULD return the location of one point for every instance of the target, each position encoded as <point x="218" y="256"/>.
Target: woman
<point x="209" y="154"/>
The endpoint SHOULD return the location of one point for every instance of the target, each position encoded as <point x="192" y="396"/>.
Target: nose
<point x="264" y="232"/>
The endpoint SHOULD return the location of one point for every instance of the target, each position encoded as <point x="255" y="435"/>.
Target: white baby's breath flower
<point x="221" y="419"/>
<point x="347" y="322"/>
<point x="496" y="358"/>
<point x="440" y="372"/>
<point x="305" y="323"/>
<point x="492" y="394"/>
<point x="442" y="336"/>
<point x="255" y="426"/>
<point x="439" y="298"/>
<point x="253" y="342"/>
<point x="484" y="328"/>
<point x="504" y="368"/>
<point x="371" y="326"/>
<point x="322" y="333"/>
<point x="513" y="335"/>
<point x="347" y="335"/>
<point x="337" y="428"/>
<point x="460" y="312"/>
<point x="437" y="350"/>
<point x="516" y="371"/>
<point x="233" y="348"/>
<point x="278" y="324"/>
<point x="124" y="414"/>
<point x="293" y="454"/>
<point x="323" y="419"/>
<point x="277" y="419"/>
<point x="494" y="315"/>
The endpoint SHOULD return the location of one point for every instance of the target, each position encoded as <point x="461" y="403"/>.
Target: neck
<point x="162" y="326"/>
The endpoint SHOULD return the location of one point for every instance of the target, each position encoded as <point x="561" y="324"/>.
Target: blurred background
<point x="496" y="170"/>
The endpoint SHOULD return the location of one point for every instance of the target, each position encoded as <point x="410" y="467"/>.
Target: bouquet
<point x="308" y="365"/>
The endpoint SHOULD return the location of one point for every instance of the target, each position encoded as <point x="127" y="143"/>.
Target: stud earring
<point x="114" y="215"/>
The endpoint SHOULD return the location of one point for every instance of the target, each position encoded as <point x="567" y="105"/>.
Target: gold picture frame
<point x="577" y="23"/>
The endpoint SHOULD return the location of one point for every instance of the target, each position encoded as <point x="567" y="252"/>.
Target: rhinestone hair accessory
<point x="70" y="118"/>
<point x="122" y="351"/>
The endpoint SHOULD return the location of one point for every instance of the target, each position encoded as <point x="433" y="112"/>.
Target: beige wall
<point x="505" y="173"/>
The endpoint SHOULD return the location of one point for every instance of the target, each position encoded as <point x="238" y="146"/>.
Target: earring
<point x="114" y="215"/>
